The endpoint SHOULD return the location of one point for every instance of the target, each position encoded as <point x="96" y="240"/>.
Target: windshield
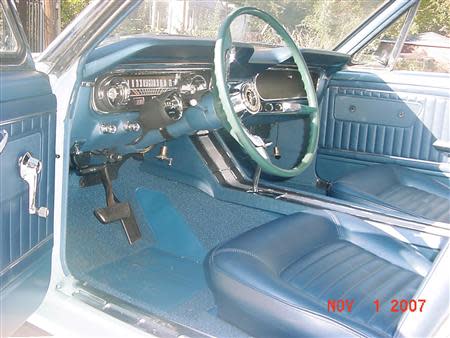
<point x="312" y="23"/>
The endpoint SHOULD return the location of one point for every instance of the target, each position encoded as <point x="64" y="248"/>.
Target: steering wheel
<point x="252" y="144"/>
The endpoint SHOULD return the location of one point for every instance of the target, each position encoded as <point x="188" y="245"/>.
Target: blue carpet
<point x="152" y="276"/>
<point x="160" y="272"/>
<point x="169" y="229"/>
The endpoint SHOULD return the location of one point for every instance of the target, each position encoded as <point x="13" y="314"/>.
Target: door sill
<point x="125" y="312"/>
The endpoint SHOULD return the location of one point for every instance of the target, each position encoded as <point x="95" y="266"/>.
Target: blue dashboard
<point x="139" y="91"/>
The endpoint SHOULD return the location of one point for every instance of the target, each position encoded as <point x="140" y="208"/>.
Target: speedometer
<point x="130" y="90"/>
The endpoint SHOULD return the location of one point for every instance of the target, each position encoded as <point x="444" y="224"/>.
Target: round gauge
<point x="193" y="85"/>
<point x="118" y="91"/>
<point x="173" y="106"/>
<point x="114" y="93"/>
<point x="250" y="98"/>
<point x="199" y="83"/>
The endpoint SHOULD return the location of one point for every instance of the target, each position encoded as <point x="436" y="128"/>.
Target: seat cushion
<point x="395" y="188"/>
<point x="277" y="279"/>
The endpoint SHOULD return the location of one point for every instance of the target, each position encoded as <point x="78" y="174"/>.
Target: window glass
<point x="376" y="54"/>
<point x="8" y="42"/>
<point x="312" y="23"/>
<point x="427" y="46"/>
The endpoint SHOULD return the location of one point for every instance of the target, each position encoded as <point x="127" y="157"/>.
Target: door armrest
<point x="442" y="145"/>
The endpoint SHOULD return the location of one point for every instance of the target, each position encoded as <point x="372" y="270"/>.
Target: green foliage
<point x="70" y="9"/>
<point x="432" y="16"/>
<point x="312" y="23"/>
<point x="315" y="23"/>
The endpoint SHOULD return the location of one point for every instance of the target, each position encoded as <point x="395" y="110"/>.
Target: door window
<point x="10" y="46"/>
<point x="426" y="46"/>
<point x="8" y="42"/>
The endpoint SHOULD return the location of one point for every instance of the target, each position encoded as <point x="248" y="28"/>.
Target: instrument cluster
<point x="125" y="91"/>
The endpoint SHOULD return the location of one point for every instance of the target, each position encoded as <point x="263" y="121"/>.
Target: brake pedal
<point x="120" y="212"/>
<point x="113" y="213"/>
<point x="115" y="210"/>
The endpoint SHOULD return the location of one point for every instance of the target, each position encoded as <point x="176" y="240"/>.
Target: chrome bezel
<point x="179" y="105"/>
<point x="249" y="87"/>
<point x="121" y="72"/>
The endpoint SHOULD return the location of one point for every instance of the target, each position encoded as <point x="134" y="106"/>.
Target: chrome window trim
<point x="18" y="58"/>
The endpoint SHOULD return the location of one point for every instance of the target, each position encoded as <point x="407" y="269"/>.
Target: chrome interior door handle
<point x="3" y="139"/>
<point x="30" y="168"/>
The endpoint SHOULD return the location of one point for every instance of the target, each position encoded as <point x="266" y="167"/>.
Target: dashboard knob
<point x="132" y="126"/>
<point x="107" y="128"/>
<point x="278" y="107"/>
<point x="268" y="107"/>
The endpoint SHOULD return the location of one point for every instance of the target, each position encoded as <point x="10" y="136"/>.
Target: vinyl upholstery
<point x="276" y="280"/>
<point x="28" y="116"/>
<point x="396" y="188"/>
<point x="413" y="141"/>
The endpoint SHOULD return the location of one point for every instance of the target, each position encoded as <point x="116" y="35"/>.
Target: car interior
<point x="192" y="231"/>
<point x="228" y="188"/>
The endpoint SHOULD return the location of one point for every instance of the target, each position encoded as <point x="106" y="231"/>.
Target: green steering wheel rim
<point x="224" y="106"/>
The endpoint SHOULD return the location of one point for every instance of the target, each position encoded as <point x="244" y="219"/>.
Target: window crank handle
<point x="30" y="168"/>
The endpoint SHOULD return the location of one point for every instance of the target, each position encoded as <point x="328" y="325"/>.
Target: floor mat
<point x="170" y="231"/>
<point x="154" y="277"/>
<point x="89" y="243"/>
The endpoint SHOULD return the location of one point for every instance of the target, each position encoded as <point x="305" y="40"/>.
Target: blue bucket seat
<point x="395" y="188"/>
<point x="276" y="280"/>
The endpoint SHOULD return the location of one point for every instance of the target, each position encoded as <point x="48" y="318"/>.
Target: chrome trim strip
<point x="19" y="118"/>
<point x="227" y="176"/>
<point x="350" y="155"/>
<point x="4" y="140"/>
<point x="131" y="314"/>
<point x="26" y="255"/>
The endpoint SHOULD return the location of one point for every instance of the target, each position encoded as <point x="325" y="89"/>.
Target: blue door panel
<point x="366" y="119"/>
<point x="18" y="85"/>
<point x="27" y="114"/>
<point x="24" y="289"/>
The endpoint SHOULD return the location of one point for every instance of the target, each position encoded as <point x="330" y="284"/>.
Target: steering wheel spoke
<point x="259" y="144"/>
<point x="299" y="109"/>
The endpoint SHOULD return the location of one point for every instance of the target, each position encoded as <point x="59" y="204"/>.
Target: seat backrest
<point x="435" y="291"/>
